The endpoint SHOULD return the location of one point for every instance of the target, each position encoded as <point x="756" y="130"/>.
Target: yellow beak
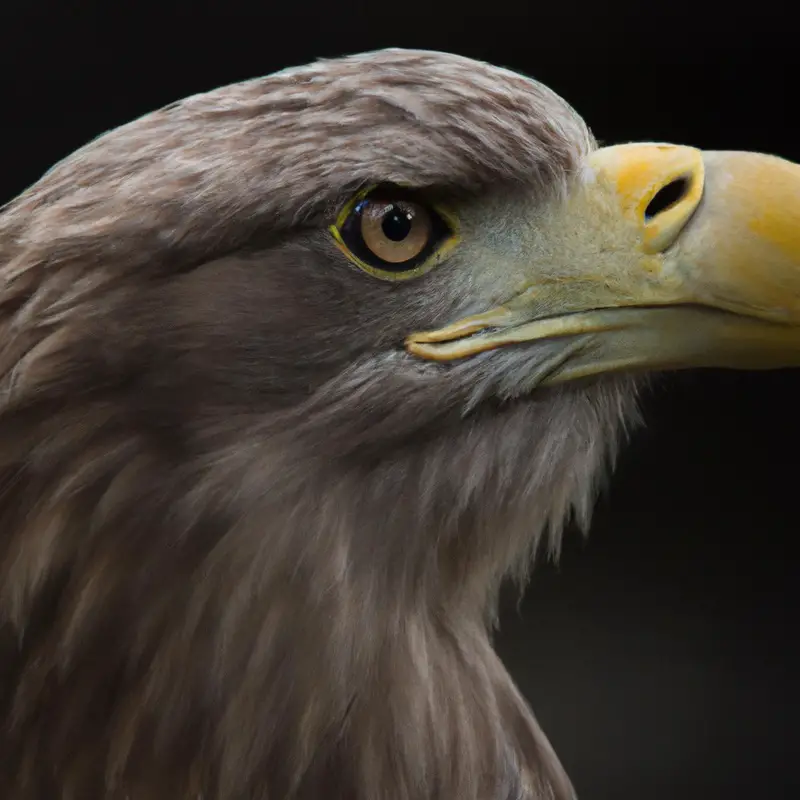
<point x="672" y="257"/>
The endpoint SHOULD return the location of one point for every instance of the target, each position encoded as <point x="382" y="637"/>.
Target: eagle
<point x="294" y="375"/>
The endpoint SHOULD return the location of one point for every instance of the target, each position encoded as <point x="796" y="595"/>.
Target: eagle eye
<point x="392" y="233"/>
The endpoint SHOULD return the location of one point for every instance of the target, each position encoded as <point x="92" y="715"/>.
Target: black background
<point x="660" y="653"/>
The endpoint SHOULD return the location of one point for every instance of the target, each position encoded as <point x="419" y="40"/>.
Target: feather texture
<point x="249" y="548"/>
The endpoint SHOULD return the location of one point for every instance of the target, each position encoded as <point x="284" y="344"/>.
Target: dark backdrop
<point x="660" y="653"/>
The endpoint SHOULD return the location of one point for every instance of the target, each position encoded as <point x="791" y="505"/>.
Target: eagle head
<point x="294" y="373"/>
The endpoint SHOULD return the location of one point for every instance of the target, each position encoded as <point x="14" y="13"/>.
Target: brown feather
<point x="248" y="548"/>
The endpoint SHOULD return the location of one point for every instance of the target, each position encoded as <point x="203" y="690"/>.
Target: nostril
<point x="667" y="196"/>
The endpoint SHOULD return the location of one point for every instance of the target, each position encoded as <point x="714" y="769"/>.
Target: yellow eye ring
<point x="391" y="234"/>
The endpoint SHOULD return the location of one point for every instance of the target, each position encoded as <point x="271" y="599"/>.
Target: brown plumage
<point x="249" y="546"/>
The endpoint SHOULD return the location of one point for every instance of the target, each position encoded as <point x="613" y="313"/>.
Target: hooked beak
<point x="674" y="258"/>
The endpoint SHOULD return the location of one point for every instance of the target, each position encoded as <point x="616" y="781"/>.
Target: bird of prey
<point x="294" y="374"/>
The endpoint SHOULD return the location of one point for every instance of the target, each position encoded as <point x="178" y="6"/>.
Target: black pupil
<point x="396" y="224"/>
